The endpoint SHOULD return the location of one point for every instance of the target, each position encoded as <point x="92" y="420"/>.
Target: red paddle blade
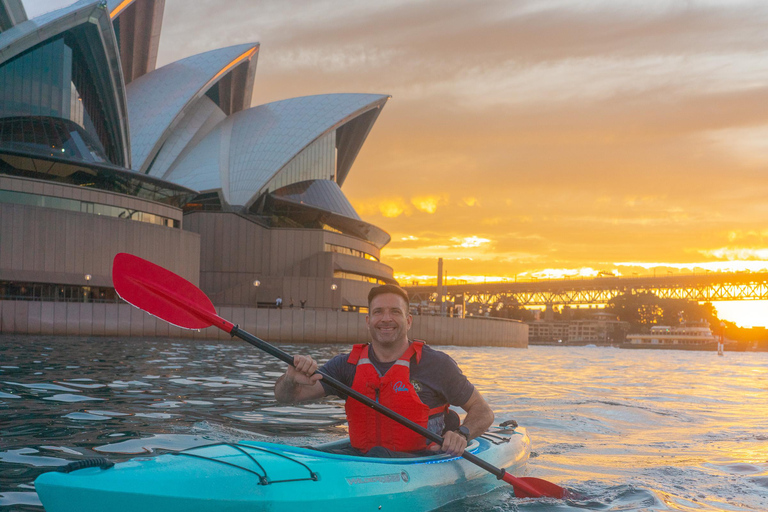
<point x="161" y="293"/>
<point x="529" y="487"/>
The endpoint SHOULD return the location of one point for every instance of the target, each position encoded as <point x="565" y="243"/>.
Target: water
<point x="633" y="430"/>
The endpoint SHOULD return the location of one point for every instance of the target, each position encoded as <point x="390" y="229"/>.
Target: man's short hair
<point x="388" y="288"/>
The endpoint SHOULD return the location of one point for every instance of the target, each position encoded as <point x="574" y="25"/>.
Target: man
<point x="407" y="376"/>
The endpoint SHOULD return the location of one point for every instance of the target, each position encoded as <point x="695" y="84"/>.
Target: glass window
<point x="60" y="203"/>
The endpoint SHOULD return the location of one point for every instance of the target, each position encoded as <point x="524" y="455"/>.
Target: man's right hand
<point x="300" y="382"/>
<point x="303" y="371"/>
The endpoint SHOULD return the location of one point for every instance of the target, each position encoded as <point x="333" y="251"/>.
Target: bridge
<point x="716" y="286"/>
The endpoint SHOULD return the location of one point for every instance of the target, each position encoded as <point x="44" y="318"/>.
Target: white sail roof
<point x="159" y="100"/>
<point x="246" y="150"/>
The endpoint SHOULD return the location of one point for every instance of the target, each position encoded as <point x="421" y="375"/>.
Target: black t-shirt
<point x="437" y="378"/>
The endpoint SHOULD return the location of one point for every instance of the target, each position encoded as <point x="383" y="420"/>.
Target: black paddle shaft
<point x="389" y="413"/>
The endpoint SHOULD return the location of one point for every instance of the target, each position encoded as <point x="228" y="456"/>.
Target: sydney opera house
<point x="102" y="152"/>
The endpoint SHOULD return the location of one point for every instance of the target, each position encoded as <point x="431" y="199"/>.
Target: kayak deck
<point x="257" y="476"/>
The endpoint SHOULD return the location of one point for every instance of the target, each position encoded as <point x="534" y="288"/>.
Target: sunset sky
<point x="533" y="137"/>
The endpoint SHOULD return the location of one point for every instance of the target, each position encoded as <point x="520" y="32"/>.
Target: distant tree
<point x="643" y="310"/>
<point x="628" y="307"/>
<point x="512" y="311"/>
<point x="682" y="310"/>
<point x="650" y="314"/>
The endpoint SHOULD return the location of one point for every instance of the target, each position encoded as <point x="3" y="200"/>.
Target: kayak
<point x="251" y="476"/>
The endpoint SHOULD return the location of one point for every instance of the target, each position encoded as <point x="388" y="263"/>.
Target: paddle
<point x="172" y="298"/>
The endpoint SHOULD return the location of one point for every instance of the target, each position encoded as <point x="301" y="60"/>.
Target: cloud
<point x="737" y="254"/>
<point x="392" y="208"/>
<point x="426" y="204"/>
<point x="471" y="241"/>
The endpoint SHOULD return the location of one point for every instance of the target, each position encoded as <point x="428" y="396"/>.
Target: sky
<point x="532" y="138"/>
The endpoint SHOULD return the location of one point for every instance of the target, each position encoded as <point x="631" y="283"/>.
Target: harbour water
<point x="631" y="430"/>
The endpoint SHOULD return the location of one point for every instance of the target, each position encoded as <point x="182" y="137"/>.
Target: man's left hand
<point x="453" y="444"/>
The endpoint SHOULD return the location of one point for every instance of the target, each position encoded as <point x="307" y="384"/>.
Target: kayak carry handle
<point x="96" y="462"/>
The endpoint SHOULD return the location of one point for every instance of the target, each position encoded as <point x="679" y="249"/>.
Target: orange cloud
<point x="392" y="208"/>
<point x="426" y="204"/>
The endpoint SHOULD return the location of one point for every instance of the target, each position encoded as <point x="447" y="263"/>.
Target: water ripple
<point x="630" y="430"/>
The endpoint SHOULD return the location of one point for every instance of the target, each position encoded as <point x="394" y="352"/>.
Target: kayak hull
<point x="256" y="476"/>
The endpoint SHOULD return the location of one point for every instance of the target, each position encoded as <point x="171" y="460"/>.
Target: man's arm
<point x="479" y="417"/>
<point x="300" y="382"/>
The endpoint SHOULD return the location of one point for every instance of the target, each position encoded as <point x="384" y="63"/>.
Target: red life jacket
<point x="368" y="428"/>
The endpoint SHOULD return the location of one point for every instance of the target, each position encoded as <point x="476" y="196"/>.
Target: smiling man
<point x="404" y="375"/>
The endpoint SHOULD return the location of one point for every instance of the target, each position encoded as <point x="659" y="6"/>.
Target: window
<point x="357" y="277"/>
<point x="60" y="203"/>
<point x="351" y="252"/>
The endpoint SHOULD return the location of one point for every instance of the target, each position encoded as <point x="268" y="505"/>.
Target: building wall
<point x="576" y="331"/>
<point x="273" y="325"/>
<point x="48" y="245"/>
<point x="287" y="263"/>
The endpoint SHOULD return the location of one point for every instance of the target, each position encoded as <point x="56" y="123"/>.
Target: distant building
<point x="599" y="329"/>
<point x="100" y="153"/>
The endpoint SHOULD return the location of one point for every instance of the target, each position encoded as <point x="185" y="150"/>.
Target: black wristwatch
<point x="463" y="431"/>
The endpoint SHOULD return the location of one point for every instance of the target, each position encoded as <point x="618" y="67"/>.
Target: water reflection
<point x="632" y="430"/>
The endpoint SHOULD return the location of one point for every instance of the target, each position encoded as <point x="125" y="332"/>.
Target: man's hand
<point x="479" y="417"/>
<point x="453" y="444"/>
<point x="300" y="382"/>
<point x="303" y="371"/>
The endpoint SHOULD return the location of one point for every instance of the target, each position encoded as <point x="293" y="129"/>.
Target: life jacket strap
<point x="439" y="409"/>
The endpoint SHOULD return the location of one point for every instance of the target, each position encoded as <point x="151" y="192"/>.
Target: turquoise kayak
<point x="254" y="476"/>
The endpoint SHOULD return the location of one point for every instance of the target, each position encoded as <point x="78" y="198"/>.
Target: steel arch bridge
<point x="721" y="286"/>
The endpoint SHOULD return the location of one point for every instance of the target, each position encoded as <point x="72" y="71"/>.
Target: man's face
<point x="388" y="319"/>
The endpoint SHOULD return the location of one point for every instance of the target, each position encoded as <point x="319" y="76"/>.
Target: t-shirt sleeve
<point x="441" y="379"/>
<point x="338" y="368"/>
<point x="456" y="387"/>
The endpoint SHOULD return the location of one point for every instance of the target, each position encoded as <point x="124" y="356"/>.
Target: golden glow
<point x="566" y="156"/>
<point x="427" y="204"/>
<point x="744" y="313"/>
<point x="392" y="208"/>
<point x="245" y="55"/>
<point x="117" y="10"/>
<point x="738" y="253"/>
<point x="471" y="241"/>
<point x="701" y="267"/>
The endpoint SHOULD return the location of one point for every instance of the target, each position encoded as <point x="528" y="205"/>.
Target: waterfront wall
<point x="289" y="325"/>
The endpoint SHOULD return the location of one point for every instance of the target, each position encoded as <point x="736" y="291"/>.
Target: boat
<point x="688" y="336"/>
<point x="251" y="476"/>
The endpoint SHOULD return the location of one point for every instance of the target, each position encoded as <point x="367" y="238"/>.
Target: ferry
<point x="690" y="336"/>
